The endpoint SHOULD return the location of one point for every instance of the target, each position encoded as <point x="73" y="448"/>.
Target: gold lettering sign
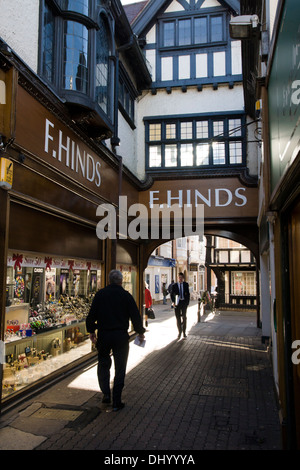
<point x="221" y="198"/>
<point x="46" y="137"/>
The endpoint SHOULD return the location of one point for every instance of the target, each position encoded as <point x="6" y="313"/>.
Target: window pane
<point x="154" y="132"/>
<point x="102" y="66"/>
<point x="186" y="155"/>
<point x="80" y="6"/>
<point x="218" y="128"/>
<point x="171" y="155"/>
<point x="184" y="32"/>
<point x="154" y="155"/>
<point x="234" y="127"/>
<point x="131" y="108"/>
<point x="170" y="131"/>
<point x="186" y="130"/>
<point x="245" y="256"/>
<point x="223" y="256"/>
<point x="169" y="34"/>
<point x="200" y="32"/>
<point x="218" y="153"/>
<point x="234" y="256"/>
<point x="75" y="56"/>
<point x="202" y="154"/>
<point x="202" y="129"/>
<point x="216" y="23"/>
<point x="235" y="152"/>
<point x="48" y="44"/>
<point x="243" y="283"/>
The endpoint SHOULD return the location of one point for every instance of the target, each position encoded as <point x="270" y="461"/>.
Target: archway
<point x="240" y="232"/>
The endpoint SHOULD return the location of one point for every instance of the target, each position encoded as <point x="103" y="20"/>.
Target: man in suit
<point x="110" y="312"/>
<point x="180" y="296"/>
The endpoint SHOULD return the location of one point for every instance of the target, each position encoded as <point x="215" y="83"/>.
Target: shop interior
<point x="47" y="301"/>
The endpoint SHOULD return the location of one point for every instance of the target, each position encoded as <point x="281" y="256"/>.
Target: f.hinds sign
<point x="51" y="140"/>
<point x="221" y="197"/>
<point x="218" y="197"/>
<point x="68" y="152"/>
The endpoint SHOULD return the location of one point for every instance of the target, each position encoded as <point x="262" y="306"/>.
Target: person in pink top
<point x="148" y="303"/>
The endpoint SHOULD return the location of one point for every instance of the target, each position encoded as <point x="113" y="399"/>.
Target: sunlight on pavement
<point x="227" y="344"/>
<point x="158" y="335"/>
<point x="209" y="317"/>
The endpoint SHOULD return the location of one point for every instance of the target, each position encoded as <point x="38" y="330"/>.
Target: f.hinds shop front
<point x="54" y="261"/>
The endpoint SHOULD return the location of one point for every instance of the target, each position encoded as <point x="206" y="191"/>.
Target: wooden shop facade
<point x="59" y="163"/>
<point x="52" y="261"/>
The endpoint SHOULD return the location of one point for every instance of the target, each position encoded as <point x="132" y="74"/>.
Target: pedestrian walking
<point x="170" y="291"/>
<point x="148" y="303"/>
<point x="110" y="312"/>
<point x="165" y="293"/>
<point x="181" y="297"/>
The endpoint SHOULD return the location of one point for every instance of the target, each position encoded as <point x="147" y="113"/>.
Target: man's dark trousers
<point x="117" y="342"/>
<point x="180" y="313"/>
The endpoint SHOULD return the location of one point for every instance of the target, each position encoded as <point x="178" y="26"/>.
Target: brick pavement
<point x="211" y="391"/>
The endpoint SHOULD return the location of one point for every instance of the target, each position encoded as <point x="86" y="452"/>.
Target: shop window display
<point x="129" y="278"/>
<point x="47" y="301"/>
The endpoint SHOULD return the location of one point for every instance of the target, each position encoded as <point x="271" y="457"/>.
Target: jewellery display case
<point x="29" y="359"/>
<point x="45" y="314"/>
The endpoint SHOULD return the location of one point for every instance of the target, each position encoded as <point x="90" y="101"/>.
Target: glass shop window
<point x="47" y="301"/>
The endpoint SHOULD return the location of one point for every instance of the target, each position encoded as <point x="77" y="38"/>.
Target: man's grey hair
<point x="115" y="277"/>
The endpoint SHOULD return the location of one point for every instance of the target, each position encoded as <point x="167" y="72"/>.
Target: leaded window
<point x="195" y="142"/>
<point x="193" y="30"/>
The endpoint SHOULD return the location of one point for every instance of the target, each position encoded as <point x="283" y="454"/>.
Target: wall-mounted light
<point x="243" y="27"/>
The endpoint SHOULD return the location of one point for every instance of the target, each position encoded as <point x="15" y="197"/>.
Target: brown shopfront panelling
<point x="46" y="186"/>
<point x="57" y="147"/>
<point x="34" y="230"/>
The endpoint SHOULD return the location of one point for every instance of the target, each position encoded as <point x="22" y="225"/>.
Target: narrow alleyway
<point x="211" y="391"/>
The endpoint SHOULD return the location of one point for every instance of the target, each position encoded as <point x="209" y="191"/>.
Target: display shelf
<point x="32" y="357"/>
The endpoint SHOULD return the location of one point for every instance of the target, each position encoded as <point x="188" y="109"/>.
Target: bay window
<point x="76" y="58"/>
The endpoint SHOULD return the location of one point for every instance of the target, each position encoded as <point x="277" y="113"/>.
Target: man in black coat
<point x="180" y="297"/>
<point x="110" y="312"/>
